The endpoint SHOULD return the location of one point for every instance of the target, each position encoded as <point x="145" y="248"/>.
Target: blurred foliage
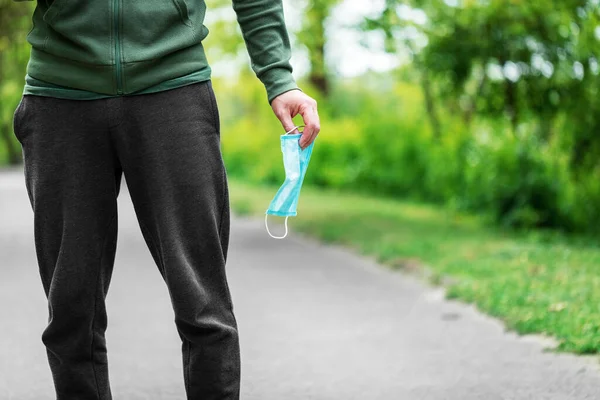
<point x="14" y="24"/>
<point x="497" y="110"/>
<point x="520" y="60"/>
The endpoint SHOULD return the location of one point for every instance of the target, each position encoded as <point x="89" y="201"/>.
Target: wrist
<point x="278" y="81"/>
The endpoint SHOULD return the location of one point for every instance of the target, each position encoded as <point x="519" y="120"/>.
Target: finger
<point x="317" y="128"/>
<point x="286" y="120"/>
<point x="313" y="126"/>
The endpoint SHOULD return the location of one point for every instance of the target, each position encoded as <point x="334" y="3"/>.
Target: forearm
<point x="263" y="27"/>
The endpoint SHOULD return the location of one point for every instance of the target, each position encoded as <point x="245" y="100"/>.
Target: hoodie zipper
<point x="119" y="73"/>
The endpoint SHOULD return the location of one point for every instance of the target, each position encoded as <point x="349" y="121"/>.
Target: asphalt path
<point x="316" y="322"/>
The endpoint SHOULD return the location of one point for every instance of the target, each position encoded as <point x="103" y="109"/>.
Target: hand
<point x="289" y="104"/>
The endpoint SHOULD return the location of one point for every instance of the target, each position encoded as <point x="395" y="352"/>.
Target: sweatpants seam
<point x="223" y="183"/>
<point x="112" y="220"/>
<point x="225" y="196"/>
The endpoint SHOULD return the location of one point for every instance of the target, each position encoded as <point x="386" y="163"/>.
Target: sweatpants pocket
<point x="17" y="120"/>
<point x="212" y="100"/>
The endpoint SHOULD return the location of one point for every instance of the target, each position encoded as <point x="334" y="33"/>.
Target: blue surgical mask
<point x="295" y="162"/>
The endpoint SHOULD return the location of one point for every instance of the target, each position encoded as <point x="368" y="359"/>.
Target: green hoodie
<point x="104" y="48"/>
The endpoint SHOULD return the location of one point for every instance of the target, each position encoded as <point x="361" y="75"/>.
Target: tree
<point x="500" y="58"/>
<point x="313" y="36"/>
<point x="394" y="26"/>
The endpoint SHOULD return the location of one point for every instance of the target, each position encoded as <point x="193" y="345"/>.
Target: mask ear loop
<point x="269" y="232"/>
<point x="296" y="127"/>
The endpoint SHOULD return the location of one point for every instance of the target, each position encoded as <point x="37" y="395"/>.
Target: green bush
<point x="520" y="179"/>
<point x="383" y="144"/>
<point x="584" y="208"/>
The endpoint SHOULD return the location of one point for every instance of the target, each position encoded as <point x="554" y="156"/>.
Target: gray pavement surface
<point x="316" y="322"/>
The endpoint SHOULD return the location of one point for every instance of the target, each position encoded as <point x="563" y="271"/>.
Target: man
<point x="123" y="87"/>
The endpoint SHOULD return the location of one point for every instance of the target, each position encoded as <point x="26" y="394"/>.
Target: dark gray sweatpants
<point x="167" y="144"/>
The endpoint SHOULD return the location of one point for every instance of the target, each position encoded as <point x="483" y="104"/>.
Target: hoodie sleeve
<point x="266" y="37"/>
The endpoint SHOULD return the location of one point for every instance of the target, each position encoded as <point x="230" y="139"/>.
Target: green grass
<point x="536" y="282"/>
